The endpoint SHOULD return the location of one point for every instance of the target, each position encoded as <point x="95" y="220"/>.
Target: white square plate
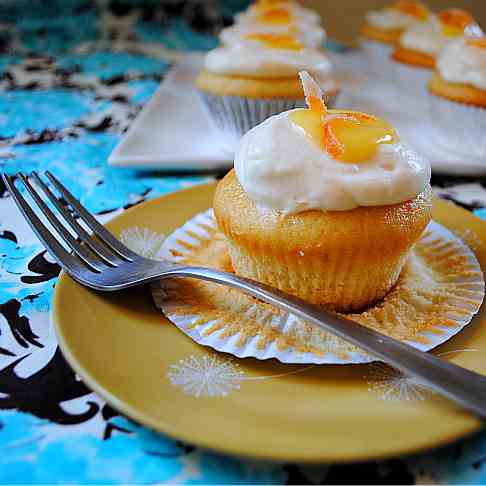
<point x="172" y="132"/>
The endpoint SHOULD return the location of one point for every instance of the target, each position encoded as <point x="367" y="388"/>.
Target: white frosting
<point x="300" y="14"/>
<point x="280" y="168"/>
<point x="463" y="63"/>
<point x="389" y="19"/>
<point x="250" y="58"/>
<point x="425" y="37"/>
<point x="308" y="35"/>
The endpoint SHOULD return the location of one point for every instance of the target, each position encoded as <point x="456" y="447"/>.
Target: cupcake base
<point x="439" y="290"/>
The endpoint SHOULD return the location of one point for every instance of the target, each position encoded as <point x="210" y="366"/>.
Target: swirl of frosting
<point x="431" y="37"/>
<point x="250" y="58"/>
<point x="308" y="35"/>
<point x="327" y="159"/>
<point x="401" y="15"/>
<point x="427" y="38"/>
<point x="464" y="61"/>
<point x="278" y="13"/>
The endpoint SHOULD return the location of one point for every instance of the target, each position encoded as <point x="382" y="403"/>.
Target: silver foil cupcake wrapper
<point x="377" y="57"/>
<point x="412" y="81"/>
<point x="458" y="127"/>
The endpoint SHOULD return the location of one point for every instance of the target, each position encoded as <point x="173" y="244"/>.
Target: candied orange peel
<point x="277" y="41"/>
<point x="413" y="8"/>
<point x="454" y="21"/>
<point x="275" y="15"/>
<point x="348" y="136"/>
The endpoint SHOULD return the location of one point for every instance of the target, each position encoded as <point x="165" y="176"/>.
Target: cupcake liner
<point x="458" y="127"/>
<point x="235" y="115"/>
<point x="412" y="81"/>
<point x="377" y="57"/>
<point x="438" y="292"/>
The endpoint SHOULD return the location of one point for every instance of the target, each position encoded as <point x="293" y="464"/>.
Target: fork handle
<point x="460" y="385"/>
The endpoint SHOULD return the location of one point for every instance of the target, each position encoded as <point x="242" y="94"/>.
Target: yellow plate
<point x="145" y="367"/>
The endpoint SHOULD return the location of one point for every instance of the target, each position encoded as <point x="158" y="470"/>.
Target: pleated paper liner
<point x="439" y="291"/>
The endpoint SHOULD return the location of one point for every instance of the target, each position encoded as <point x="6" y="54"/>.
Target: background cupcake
<point x="458" y="97"/>
<point x="382" y="29"/>
<point x="244" y="83"/>
<point x="419" y="46"/>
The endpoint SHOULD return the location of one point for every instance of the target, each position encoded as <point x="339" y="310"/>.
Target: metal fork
<point x="99" y="261"/>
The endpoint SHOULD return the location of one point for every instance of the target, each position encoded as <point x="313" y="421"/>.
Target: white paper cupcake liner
<point x="439" y="291"/>
<point x="458" y="127"/>
<point x="377" y="57"/>
<point x="411" y="81"/>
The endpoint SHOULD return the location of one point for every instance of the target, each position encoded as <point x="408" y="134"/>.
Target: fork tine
<point x="67" y="261"/>
<point x="80" y="251"/>
<point x="100" y="231"/>
<point x="102" y="251"/>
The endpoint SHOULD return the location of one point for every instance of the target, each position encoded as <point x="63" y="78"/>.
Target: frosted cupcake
<point x="244" y="83"/>
<point x="324" y="204"/>
<point x="458" y="97"/>
<point x="382" y="29"/>
<point x="419" y="46"/>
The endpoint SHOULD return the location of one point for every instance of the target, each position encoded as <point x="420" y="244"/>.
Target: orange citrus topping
<point x="410" y="7"/>
<point x="454" y="21"/>
<point x="277" y="41"/>
<point x="477" y="42"/>
<point x="275" y="15"/>
<point x="348" y="136"/>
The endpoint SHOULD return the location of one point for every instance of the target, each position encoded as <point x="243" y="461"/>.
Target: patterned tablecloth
<point x="73" y="75"/>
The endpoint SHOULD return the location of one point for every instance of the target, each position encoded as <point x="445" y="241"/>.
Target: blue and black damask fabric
<point x="73" y="75"/>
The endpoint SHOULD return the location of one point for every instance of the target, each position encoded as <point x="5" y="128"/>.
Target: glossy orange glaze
<point x="276" y="15"/>
<point x="454" y="21"/>
<point x="413" y="8"/>
<point x="277" y="41"/>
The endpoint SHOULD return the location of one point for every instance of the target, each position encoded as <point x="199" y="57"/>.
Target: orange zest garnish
<point x="312" y="93"/>
<point x="275" y="15"/>
<point x="410" y="7"/>
<point x="477" y="42"/>
<point x="454" y="21"/>
<point x="330" y="142"/>
<point x="277" y="41"/>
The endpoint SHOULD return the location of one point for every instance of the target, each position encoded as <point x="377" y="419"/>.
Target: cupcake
<point x="244" y="83"/>
<point x="382" y="29"/>
<point x="458" y="97"/>
<point x="324" y="204"/>
<point x="418" y="47"/>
